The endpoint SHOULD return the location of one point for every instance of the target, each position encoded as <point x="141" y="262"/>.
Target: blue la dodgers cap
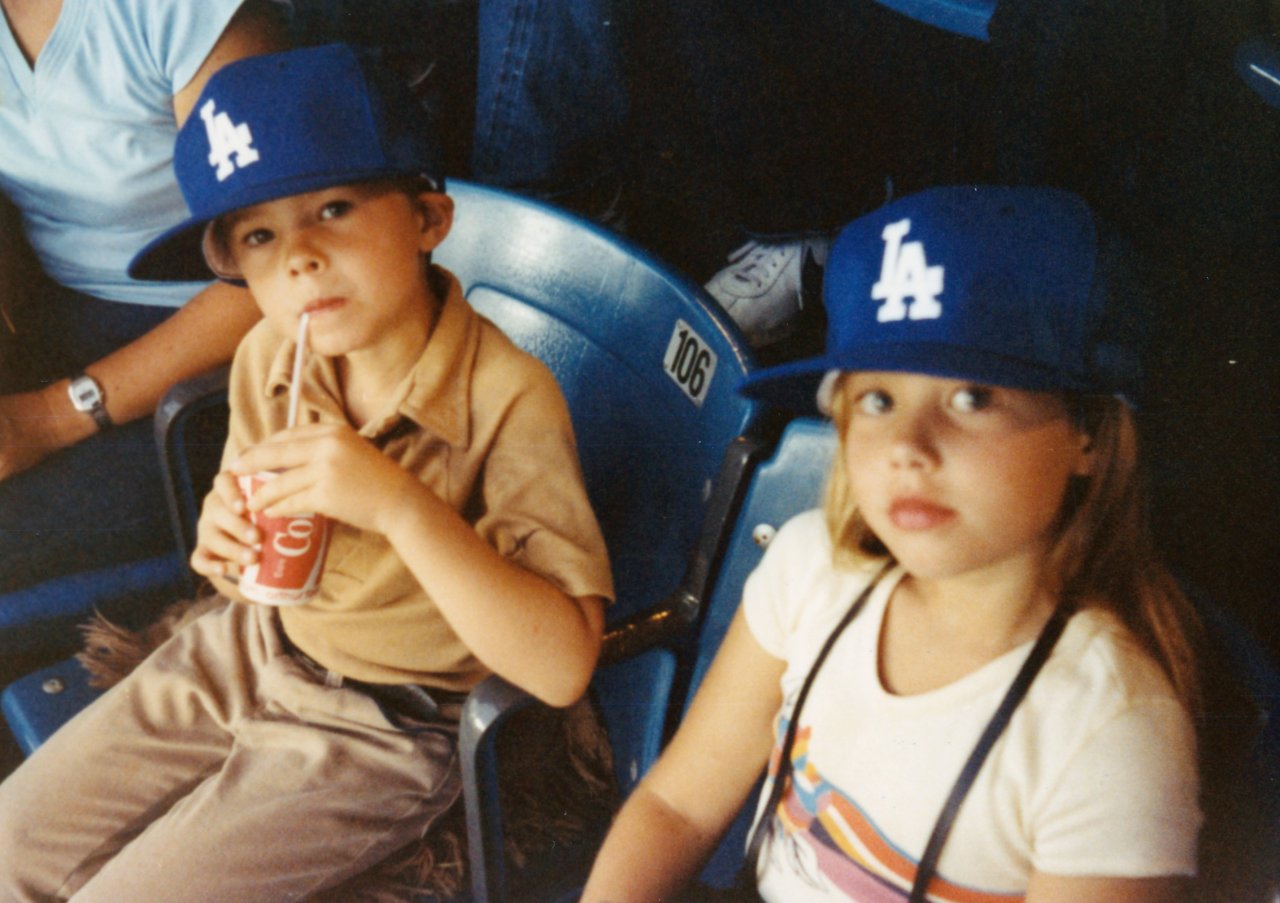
<point x="281" y="124"/>
<point x="1002" y="286"/>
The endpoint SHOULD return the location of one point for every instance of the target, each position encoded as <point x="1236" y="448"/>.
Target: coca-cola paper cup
<point x="292" y="555"/>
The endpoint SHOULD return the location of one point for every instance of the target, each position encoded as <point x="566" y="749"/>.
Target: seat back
<point x="648" y="365"/>
<point x="788" y="482"/>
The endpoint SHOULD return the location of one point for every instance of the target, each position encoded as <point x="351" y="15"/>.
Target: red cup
<point x="291" y="559"/>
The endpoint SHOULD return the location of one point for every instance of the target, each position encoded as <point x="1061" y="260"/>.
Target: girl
<point x="982" y="549"/>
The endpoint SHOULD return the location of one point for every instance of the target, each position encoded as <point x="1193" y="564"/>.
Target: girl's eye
<point x="873" y="402"/>
<point x="335" y="209"/>
<point x="971" y="399"/>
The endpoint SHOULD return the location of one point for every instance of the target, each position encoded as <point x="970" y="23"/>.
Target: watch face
<point x="87" y="397"/>
<point x="85" y="394"/>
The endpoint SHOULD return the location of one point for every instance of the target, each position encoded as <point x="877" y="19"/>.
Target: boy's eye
<point x="873" y="402"/>
<point x="256" y="237"/>
<point x="335" y="209"/>
<point x="971" y="399"/>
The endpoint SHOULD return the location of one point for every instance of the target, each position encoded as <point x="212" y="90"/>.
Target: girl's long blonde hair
<point x="1104" y="554"/>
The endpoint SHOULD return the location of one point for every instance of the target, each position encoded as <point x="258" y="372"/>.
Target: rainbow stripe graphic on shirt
<point x="849" y="850"/>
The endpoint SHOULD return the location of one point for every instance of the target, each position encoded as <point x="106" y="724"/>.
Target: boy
<point x="270" y="754"/>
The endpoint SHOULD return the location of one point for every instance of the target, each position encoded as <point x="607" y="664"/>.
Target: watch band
<point x="87" y="396"/>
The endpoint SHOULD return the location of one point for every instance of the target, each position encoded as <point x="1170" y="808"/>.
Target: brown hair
<point x="1104" y="554"/>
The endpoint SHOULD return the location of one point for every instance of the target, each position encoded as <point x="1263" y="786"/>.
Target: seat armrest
<point x="489" y="706"/>
<point x="187" y="451"/>
<point x="182" y="395"/>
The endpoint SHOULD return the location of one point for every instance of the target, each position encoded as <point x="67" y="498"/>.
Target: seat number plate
<point x="689" y="362"/>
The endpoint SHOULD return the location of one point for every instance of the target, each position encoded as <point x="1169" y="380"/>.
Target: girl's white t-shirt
<point x="1094" y="776"/>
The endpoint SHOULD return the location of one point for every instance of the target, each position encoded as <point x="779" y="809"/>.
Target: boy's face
<point x="350" y="256"/>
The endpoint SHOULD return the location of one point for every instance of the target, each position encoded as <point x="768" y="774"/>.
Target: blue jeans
<point x="551" y="99"/>
<point x="542" y="80"/>
<point x="100" y="502"/>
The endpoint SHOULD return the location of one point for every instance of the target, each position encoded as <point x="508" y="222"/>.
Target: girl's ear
<point x="435" y="216"/>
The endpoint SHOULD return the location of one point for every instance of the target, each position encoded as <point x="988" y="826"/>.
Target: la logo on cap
<point x="227" y="139"/>
<point x="905" y="273"/>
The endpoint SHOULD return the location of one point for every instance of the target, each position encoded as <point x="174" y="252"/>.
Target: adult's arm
<point x="199" y="336"/>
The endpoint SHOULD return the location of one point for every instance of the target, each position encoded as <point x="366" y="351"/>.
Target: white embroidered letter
<point x="905" y="273"/>
<point x="225" y="140"/>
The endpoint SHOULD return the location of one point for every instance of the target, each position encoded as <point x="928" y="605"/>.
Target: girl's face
<point x="956" y="478"/>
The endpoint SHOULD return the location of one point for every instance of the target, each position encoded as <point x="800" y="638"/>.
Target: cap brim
<point x="174" y="255"/>
<point x="177" y="254"/>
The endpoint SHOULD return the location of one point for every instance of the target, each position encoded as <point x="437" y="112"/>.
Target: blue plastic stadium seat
<point x="788" y="482"/>
<point x="190" y="428"/>
<point x="648" y="363"/>
<point x="1258" y="63"/>
<point x="40" y="703"/>
<point x="650" y="367"/>
<point x="963" y="17"/>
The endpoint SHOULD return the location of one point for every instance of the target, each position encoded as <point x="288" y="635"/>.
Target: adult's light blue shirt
<point x="87" y="135"/>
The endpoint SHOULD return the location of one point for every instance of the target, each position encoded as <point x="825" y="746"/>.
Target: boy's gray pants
<point x="220" y="769"/>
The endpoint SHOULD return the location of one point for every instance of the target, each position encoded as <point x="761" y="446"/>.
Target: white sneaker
<point x="763" y="288"/>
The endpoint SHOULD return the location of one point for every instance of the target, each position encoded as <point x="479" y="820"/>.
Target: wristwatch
<point x="87" y="396"/>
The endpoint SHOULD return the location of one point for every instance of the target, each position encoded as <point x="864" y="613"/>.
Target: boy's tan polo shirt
<point x="485" y="426"/>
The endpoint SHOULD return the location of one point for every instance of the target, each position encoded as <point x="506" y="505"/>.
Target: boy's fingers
<point x="226" y="547"/>
<point x="233" y="521"/>
<point x="286" y="449"/>
<point x="228" y="490"/>
<point x="210" y="564"/>
<point x="285" y="487"/>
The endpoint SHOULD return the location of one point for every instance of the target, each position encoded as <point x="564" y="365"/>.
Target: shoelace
<point x="756" y="265"/>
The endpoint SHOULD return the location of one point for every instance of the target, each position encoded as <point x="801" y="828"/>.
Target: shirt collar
<point x="435" y="394"/>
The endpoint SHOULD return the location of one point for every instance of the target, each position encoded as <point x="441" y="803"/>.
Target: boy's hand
<point x="226" y="541"/>
<point x="331" y="470"/>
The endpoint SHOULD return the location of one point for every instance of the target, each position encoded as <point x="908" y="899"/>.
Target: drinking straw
<point x="295" y="385"/>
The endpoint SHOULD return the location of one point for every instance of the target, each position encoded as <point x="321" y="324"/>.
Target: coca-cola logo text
<point x="295" y="539"/>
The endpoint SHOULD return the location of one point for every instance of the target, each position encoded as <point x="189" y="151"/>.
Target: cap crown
<point x="949" y="281"/>
<point x="1005" y="286"/>
<point x="281" y="124"/>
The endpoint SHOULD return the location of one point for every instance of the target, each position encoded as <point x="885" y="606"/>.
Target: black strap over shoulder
<point x="1039" y="654"/>
<point x="1048" y="638"/>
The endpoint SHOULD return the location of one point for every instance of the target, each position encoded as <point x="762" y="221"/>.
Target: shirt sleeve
<point x="769" y="600"/>
<point x="1126" y="804"/>
<point x="536" y="511"/>
<point x="179" y="34"/>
